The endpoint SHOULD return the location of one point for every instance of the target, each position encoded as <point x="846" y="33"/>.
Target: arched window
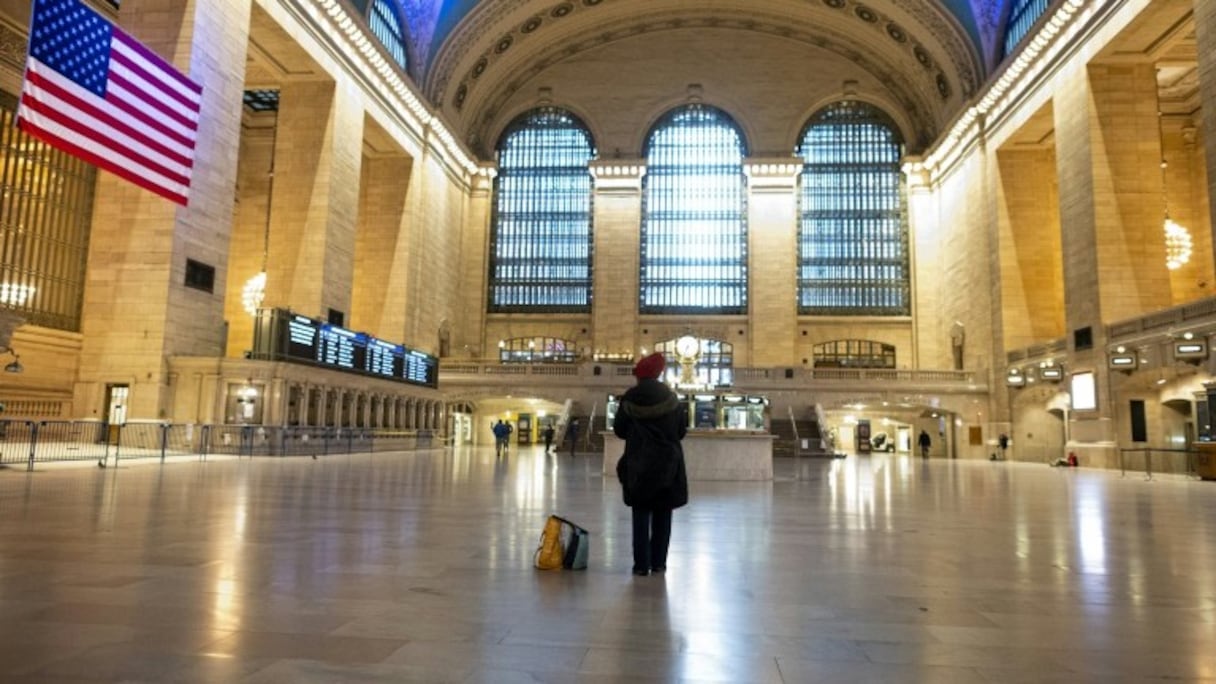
<point x="694" y="230"/>
<point x="852" y="228"/>
<point x="537" y="350"/>
<point x="1022" y="16"/>
<point x="540" y="251"/>
<point x="386" y="25"/>
<point x="854" y="354"/>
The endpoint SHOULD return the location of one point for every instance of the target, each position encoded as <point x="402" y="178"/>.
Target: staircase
<point x="788" y="434"/>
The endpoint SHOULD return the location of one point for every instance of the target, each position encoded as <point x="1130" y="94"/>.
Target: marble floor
<point x="416" y="567"/>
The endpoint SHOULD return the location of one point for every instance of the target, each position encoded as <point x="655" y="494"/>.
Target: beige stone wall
<point x="1030" y="270"/>
<point x="953" y="265"/>
<point x="618" y="219"/>
<point x="470" y="338"/>
<point x="1127" y="190"/>
<point x="772" y="225"/>
<point x="137" y="311"/>
<point x="1205" y="40"/>
<point x="377" y="299"/>
<point x="313" y="209"/>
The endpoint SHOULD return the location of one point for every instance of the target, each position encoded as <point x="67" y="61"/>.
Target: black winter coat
<point x="652" y="422"/>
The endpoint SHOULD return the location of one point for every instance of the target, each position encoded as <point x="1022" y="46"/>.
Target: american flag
<point x="96" y="93"/>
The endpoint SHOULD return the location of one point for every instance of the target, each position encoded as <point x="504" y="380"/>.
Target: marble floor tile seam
<point x="885" y="583"/>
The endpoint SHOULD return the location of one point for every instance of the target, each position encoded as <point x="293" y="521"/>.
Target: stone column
<point x="772" y="227"/>
<point x="137" y="310"/>
<point x="1108" y="166"/>
<point x="1127" y="191"/>
<point x="1205" y="39"/>
<point x="381" y="259"/>
<point x="618" y="222"/>
<point x="316" y="199"/>
<point x="469" y="339"/>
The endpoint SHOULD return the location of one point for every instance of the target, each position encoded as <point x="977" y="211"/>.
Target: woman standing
<point x="652" y="421"/>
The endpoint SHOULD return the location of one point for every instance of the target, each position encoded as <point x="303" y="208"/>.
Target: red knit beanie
<point x="651" y="366"/>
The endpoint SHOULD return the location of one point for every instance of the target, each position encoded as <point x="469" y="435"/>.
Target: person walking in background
<point x="925" y="442"/>
<point x="547" y="434"/>
<point x="572" y="434"/>
<point x="652" y="421"/>
<point x="501" y="432"/>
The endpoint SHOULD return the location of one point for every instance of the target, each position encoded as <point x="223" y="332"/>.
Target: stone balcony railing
<point x="612" y="375"/>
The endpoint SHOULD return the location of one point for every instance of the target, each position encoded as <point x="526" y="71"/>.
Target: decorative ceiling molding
<point x="930" y="29"/>
<point x="924" y="113"/>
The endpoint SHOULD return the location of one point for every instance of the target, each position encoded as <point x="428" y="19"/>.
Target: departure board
<point x="286" y="336"/>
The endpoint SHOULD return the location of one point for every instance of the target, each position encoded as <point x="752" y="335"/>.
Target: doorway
<point x="116" y="410"/>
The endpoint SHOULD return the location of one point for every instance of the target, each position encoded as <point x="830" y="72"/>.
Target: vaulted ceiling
<point x="483" y="62"/>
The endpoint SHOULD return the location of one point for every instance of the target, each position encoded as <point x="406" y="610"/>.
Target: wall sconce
<point x="1015" y="378"/>
<point x="1123" y="360"/>
<point x="1190" y="350"/>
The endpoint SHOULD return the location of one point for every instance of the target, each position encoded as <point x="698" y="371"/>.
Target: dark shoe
<point x="659" y="569"/>
<point x="641" y="572"/>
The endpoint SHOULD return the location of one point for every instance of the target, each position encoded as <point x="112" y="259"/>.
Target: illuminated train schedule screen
<point x="297" y="338"/>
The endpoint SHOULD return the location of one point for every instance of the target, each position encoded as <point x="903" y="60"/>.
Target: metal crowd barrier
<point x="1188" y="464"/>
<point x="30" y="442"/>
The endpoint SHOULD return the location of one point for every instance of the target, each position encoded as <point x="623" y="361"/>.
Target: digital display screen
<point x="313" y="341"/>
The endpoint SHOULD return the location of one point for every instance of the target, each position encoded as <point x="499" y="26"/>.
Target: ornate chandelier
<point x="1177" y="237"/>
<point x="1177" y="244"/>
<point x="254" y="292"/>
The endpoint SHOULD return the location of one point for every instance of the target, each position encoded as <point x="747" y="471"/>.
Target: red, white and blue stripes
<point x="96" y="93"/>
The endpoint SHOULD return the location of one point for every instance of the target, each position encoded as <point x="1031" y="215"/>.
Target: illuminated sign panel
<point x="284" y="336"/>
<point x="1084" y="392"/>
<point x="1190" y="350"/>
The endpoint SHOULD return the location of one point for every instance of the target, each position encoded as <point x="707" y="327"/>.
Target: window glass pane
<point x="387" y="28"/>
<point x="537" y="350"/>
<point x="46" y="206"/>
<point x="694" y="231"/>
<point x="854" y="354"/>
<point x="540" y="252"/>
<point x="852" y="231"/>
<point x="1022" y="17"/>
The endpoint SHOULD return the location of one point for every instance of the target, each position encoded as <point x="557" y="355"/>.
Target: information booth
<point x="727" y="437"/>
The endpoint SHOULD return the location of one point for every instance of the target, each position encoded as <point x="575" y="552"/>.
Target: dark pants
<point x="651" y="535"/>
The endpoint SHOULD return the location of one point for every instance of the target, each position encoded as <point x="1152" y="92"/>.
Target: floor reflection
<point x="417" y="567"/>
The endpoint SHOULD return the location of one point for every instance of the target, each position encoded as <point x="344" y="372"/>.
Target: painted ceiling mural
<point x="431" y="21"/>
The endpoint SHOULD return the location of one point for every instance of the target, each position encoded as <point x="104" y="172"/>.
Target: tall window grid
<point x="386" y="25"/>
<point x="46" y="205"/>
<point x="694" y="227"/>
<point x="853" y="229"/>
<point x="1022" y="17"/>
<point x="541" y="243"/>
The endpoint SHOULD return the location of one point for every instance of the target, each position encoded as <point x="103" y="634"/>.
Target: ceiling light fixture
<point x="1177" y="238"/>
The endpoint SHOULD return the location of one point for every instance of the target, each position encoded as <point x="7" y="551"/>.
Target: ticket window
<point x="243" y="404"/>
